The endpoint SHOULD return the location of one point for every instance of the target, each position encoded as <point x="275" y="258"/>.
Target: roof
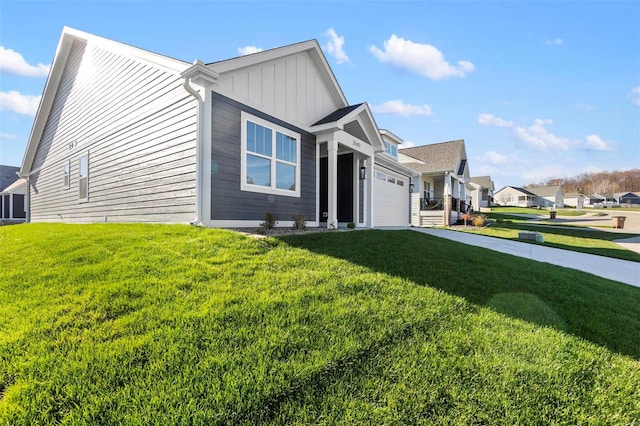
<point x="336" y="115"/>
<point x="545" y="191"/>
<point x="8" y="175"/>
<point x="437" y="157"/>
<point x="18" y="184"/>
<point x="517" y="188"/>
<point x="483" y="181"/>
<point x="628" y="193"/>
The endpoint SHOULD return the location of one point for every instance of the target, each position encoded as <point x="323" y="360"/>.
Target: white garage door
<point x="391" y="199"/>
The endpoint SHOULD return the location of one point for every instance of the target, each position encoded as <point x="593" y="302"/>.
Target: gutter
<point x="197" y="221"/>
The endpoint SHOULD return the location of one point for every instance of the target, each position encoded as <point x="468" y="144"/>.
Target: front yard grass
<point x="157" y="324"/>
<point x="578" y="239"/>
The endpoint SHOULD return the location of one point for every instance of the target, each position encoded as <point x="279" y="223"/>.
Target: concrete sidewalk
<point x="623" y="271"/>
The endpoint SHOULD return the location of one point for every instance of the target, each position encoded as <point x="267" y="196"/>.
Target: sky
<point x="537" y="90"/>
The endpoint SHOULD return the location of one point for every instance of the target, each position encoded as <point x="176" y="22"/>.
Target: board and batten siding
<point x="289" y="87"/>
<point x="228" y="202"/>
<point x="138" y="126"/>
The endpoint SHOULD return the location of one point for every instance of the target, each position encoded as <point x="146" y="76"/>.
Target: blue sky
<point x="536" y="89"/>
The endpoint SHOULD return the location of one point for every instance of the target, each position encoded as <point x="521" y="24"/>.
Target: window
<point x="400" y="182"/>
<point x="83" y="178"/>
<point x="381" y="176"/>
<point x="391" y="149"/>
<point x="67" y="175"/>
<point x="391" y="179"/>
<point x="270" y="158"/>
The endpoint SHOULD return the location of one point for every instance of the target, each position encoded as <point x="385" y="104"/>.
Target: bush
<point x="351" y="225"/>
<point x="299" y="223"/>
<point x="479" y="221"/>
<point x="269" y="222"/>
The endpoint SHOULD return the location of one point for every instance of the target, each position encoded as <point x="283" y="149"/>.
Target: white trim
<point x="244" y="186"/>
<point x="86" y="198"/>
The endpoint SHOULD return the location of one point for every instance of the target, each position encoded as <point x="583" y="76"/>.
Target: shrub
<point x="351" y="225"/>
<point x="269" y="222"/>
<point x="479" y="220"/>
<point x="299" y="223"/>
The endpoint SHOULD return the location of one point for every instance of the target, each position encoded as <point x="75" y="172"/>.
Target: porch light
<point x="363" y="173"/>
<point x="411" y="188"/>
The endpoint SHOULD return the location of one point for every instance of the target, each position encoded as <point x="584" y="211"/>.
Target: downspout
<point x="187" y="86"/>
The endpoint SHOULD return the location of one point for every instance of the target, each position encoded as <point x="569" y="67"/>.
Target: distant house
<point x="8" y="175"/>
<point x="482" y="195"/>
<point x="127" y="135"/>
<point x="574" y="199"/>
<point x="13" y="202"/>
<point x="627" y="198"/>
<point x="443" y="173"/>
<point x="546" y="196"/>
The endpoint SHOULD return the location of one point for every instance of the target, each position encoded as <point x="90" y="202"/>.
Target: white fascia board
<point x="395" y="166"/>
<point x="311" y="47"/>
<point x="391" y="136"/>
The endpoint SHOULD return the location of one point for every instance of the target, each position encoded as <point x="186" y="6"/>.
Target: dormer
<point x="391" y="143"/>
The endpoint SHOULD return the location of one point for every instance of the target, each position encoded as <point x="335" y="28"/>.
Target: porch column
<point x="369" y="188"/>
<point x="332" y="184"/>
<point x="446" y="200"/>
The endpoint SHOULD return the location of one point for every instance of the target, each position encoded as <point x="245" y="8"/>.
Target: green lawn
<point x="578" y="239"/>
<point x="531" y="210"/>
<point x="158" y="324"/>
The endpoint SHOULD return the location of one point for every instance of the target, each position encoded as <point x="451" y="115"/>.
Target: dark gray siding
<point x="228" y="202"/>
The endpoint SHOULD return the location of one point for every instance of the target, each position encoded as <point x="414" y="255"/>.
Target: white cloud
<point x="422" y="59"/>
<point x="492" y="120"/>
<point x="13" y="63"/>
<point x="248" y="50"/>
<point x="634" y="95"/>
<point x="21" y="104"/>
<point x="407" y="144"/>
<point x="539" y="137"/>
<point x="335" y="46"/>
<point x="398" y="107"/>
<point x="8" y="136"/>
<point x="555" y="41"/>
<point x="595" y="143"/>
<point x="492" y="157"/>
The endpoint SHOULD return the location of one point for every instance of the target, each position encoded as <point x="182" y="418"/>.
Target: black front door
<point x="345" y="188"/>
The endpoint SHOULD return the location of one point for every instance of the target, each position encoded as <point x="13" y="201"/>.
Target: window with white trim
<point x="270" y="158"/>
<point x="67" y="175"/>
<point x="83" y="178"/>
<point x="391" y="149"/>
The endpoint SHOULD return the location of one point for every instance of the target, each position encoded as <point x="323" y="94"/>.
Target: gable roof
<point x="545" y="191"/>
<point x="312" y="47"/>
<point x="483" y="181"/>
<point x="518" y="189"/>
<point x="8" y="176"/>
<point x="357" y="120"/>
<point x="437" y="157"/>
<point x="69" y="35"/>
<point x="336" y="115"/>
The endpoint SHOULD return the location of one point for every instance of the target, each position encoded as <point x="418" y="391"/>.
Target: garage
<point x="391" y="199"/>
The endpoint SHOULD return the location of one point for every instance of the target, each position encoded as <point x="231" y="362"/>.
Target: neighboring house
<point x="574" y="199"/>
<point x="127" y="135"/>
<point x="443" y="173"/>
<point x="544" y="196"/>
<point x="548" y="196"/>
<point x="627" y="198"/>
<point x="8" y="175"/>
<point x="13" y="202"/>
<point x="482" y="195"/>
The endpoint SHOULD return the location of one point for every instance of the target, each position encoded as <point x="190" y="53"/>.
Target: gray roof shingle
<point x="437" y="157"/>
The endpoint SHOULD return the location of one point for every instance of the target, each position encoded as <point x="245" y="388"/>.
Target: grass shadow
<point x="596" y="309"/>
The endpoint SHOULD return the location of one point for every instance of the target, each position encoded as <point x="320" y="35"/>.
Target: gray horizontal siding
<point x="228" y="202"/>
<point x="138" y="125"/>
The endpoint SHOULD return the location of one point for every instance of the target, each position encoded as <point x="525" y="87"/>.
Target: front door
<point x="345" y="188"/>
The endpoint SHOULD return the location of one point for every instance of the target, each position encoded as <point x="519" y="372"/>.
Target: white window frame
<point x="84" y="179"/>
<point x="66" y="171"/>
<point x="244" y="186"/>
<point x="389" y="146"/>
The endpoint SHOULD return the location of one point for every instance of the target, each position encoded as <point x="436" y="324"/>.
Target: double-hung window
<point x="270" y="158"/>
<point x="391" y="149"/>
<point x="83" y="178"/>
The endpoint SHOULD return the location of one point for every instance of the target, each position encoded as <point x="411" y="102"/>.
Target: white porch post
<point x="368" y="191"/>
<point x="447" y="199"/>
<point x="332" y="184"/>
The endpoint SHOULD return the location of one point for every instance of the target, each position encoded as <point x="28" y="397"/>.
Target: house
<point x="482" y="192"/>
<point x="544" y="196"/>
<point x="443" y="173"/>
<point x="574" y="199"/>
<point x="627" y="198"/>
<point x="13" y="202"/>
<point x="127" y="135"/>
<point x="548" y="196"/>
